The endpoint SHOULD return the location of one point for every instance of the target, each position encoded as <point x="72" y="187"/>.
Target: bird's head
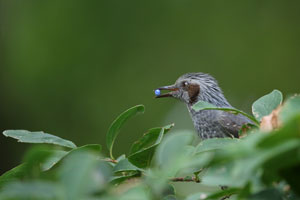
<point x="193" y="87"/>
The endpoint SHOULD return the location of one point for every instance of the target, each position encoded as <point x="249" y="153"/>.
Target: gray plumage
<point x="193" y="87"/>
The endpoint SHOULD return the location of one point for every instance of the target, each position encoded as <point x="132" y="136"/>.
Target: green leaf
<point x="203" y="105"/>
<point x="258" y="158"/>
<point x="35" y="157"/>
<point x="83" y="173"/>
<point x="172" y="152"/>
<point x="223" y="193"/>
<point x="233" y="174"/>
<point x="289" y="131"/>
<point x="290" y="108"/>
<point x="38" y="137"/>
<point x="266" y="104"/>
<point x="136" y="193"/>
<point x="215" y="143"/>
<point x="170" y="197"/>
<point x="32" y="190"/>
<point x="142" y="151"/>
<point x="197" y="196"/>
<point x="53" y="159"/>
<point x="124" y="166"/>
<point x="267" y="194"/>
<point x="118" y="123"/>
<point x="115" y="180"/>
<point x="58" y="155"/>
<point x="13" y="174"/>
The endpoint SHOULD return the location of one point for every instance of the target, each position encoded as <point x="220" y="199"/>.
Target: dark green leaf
<point x="38" y="137"/>
<point x="292" y="176"/>
<point x="13" y="174"/>
<point x="124" y="166"/>
<point x="266" y="104"/>
<point x="118" y="123"/>
<point x="115" y="180"/>
<point x="142" y="151"/>
<point x="224" y="193"/>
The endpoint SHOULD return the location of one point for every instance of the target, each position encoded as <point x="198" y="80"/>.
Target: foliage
<point x="262" y="165"/>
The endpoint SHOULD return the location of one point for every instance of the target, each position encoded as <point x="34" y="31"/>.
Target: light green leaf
<point x="118" y="123"/>
<point x="203" y="105"/>
<point x="58" y="155"/>
<point x="32" y="190"/>
<point x="173" y="148"/>
<point x="38" y="137"/>
<point x="82" y="173"/>
<point x="290" y="108"/>
<point x="266" y="104"/>
<point x="270" y="193"/>
<point x="142" y="151"/>
<point x="170" y="197"/>
<point x="215" y="143"/>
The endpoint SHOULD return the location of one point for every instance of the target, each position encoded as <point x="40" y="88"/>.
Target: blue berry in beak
<point x="157" y="92"/>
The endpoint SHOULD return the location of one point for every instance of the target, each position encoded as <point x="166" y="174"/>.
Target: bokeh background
<point x="70" y="68"/>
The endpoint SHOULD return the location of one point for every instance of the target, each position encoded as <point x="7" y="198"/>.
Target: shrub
<point x="264" y="164"/>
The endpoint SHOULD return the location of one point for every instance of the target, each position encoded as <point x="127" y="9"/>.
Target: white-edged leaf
<point x="266" y="104"/>
<point x="38" y="137"/>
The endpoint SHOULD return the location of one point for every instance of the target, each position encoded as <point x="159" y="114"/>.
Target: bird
<point x="193" y="87"/>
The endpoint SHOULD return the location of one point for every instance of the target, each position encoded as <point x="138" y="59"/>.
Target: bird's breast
<point x="206" y="123"/>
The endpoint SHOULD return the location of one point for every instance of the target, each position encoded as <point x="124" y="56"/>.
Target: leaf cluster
<point x="262" y="165"/>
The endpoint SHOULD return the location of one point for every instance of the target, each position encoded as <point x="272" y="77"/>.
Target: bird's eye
<point x="185" y="83"/>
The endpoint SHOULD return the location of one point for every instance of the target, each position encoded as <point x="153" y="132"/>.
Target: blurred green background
<point x="70" y="68"/>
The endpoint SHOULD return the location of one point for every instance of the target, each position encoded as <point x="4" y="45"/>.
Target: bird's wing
<point x="232" y="123"/>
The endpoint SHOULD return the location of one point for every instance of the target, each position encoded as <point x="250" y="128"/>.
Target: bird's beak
<point x="171" y="88"/>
